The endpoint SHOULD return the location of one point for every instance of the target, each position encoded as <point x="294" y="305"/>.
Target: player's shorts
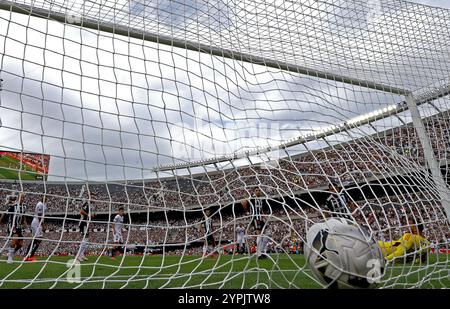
<point x="258" y="224"/>
<point x="84" y="230"/>
<point x="118" y="238"/>
<point x="36" y="229"/>
<point x="240" y="240"/>
<point x="419" y="254"/>
<point x="210" y="240"/>
<point x="16" y="232"/>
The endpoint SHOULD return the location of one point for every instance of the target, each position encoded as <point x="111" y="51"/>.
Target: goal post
<point x="430" y="157"/>
<point x="86" y="22"/>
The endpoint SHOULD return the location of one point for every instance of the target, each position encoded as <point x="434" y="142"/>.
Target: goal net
<point x="134" y="136"/>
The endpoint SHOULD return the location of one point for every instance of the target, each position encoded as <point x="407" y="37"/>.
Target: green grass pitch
<point x="225" y="271"/>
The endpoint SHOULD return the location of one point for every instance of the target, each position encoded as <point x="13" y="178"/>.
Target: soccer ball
<point x="341" y="255"/>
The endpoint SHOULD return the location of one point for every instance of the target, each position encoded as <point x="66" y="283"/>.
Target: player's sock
<point x="10" y="254"/>
<point x="265" y="242"/>
<point x="29" y="249"/>
<point x="83" y="247"/>
<point x="36" y="244"/>
<point x="258" y="245"/>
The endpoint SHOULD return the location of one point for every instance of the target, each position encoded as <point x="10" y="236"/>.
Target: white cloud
<point x="437" y="3"/>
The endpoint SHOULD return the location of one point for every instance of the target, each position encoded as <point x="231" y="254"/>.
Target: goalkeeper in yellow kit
<point x="411" y="245"/>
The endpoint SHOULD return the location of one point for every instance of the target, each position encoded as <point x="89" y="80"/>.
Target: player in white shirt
<point x="36" y="229"/>
<point x="240" y="238"/>
<point x="117" y="232"/>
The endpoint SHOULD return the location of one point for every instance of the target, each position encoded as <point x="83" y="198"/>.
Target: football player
<point x="117" y="232"/>
<point x="16" y="223"/>
<point x="412" y="245"/>
<point x="256" y="206"/>
<point x="36" y="229"/>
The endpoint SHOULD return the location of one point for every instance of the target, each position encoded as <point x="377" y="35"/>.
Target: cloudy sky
<point x="109" y="107"/>
<point x="437" y="3"/>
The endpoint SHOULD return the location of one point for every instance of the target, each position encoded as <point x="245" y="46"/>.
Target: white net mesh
<point x="177" y="110"/>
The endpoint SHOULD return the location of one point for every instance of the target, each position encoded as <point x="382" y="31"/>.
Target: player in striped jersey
<point x="338" y="203"/>
<point x="210" y="243"/>
<point x="255" y="207"/>
<point x="117" y="233"/>
<point x="16" y="223"/>
<point x="36" y="229"/>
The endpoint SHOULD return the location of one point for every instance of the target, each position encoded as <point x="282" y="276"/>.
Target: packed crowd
<point x="286" y="227"/>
